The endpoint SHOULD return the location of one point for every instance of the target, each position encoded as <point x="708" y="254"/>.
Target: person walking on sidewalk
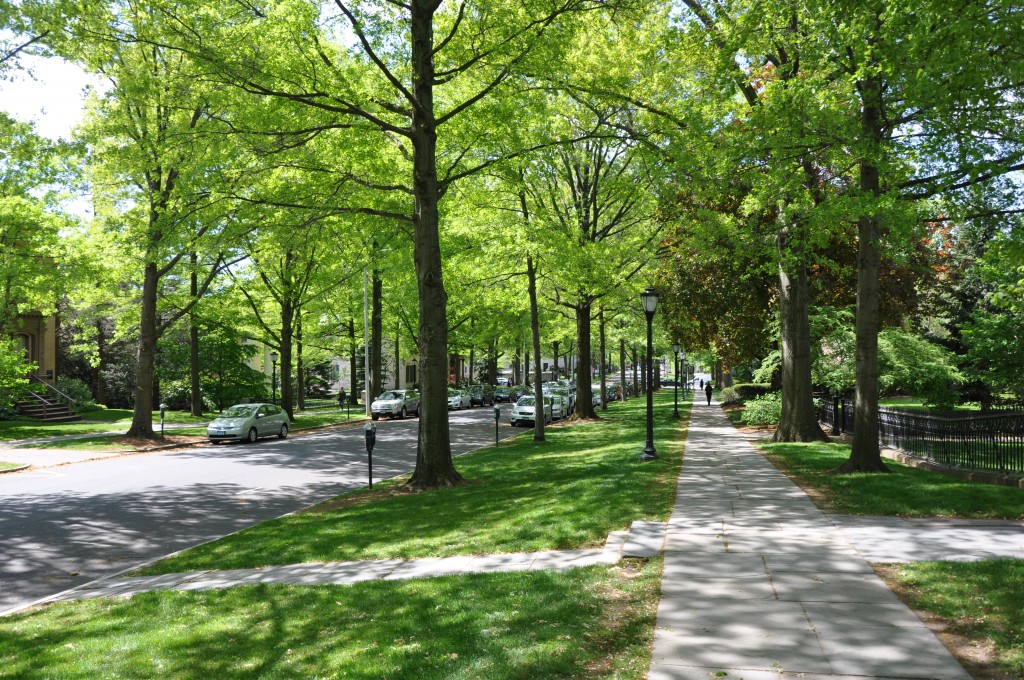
<point x="707" y="391"/>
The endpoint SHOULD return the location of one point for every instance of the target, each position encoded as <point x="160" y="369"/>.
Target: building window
<point x="410" y="375"/>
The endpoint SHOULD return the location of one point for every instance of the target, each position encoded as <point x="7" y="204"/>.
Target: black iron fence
<point x="977" y="441"/>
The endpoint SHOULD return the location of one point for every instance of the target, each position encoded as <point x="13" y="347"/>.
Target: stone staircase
<point x="35" y="406"/>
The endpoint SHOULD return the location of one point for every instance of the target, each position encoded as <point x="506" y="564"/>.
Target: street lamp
<point x="675" y="408"/>
<point x="273" y="381"/>
<point x="649" y="300"/>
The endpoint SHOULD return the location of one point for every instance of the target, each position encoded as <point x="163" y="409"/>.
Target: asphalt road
<point x="65" y="526"/>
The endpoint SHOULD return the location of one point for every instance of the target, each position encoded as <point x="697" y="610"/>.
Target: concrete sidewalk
<point x="761" y="585"/>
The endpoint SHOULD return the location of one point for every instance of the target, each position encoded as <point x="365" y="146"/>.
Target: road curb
<point x="16" y="469"/>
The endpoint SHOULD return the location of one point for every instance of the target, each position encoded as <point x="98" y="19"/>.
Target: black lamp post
<point x="675" y="408"/>
<point x="273" y="380"/>
<point x="649" y="300"/>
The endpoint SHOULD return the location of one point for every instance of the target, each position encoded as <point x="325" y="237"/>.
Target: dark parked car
<point x="481" y="395"/>
<point x="502" y="393"/>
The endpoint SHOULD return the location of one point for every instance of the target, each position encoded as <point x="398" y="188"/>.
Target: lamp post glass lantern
<point x="649" y="300"/>
<point x="675" y="407"/>
<point x="273" y="380"/>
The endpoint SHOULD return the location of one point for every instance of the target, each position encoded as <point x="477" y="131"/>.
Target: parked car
<point x="396" y="404"/>
<point x="481" y="395"/>
<point x="248" y="422"/>
<point x="559" y="406"/>
<point x="525" y="411"/>
<point x="502" y="393"/>
<point x="458" y="399"/>
<point x="517" y="391"/>
<point x="570" y="396"/>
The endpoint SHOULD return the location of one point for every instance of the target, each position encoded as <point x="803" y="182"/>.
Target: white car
<point x="248" y="422"/>
<point x="458" y="399"/>
<point x="525" y="411"/>
<point x="559" y="406"/>
<point x="396" y="404"/>
<point x="569" y="396"/>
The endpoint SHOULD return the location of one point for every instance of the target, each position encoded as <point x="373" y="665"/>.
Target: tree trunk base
<point x="450" y="481"/>
<point x="141" y="433"/>
<point x="806" y="434"/>
<point x="853" y="466"/>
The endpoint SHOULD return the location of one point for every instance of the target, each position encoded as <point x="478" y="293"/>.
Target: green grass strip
<point x="588" y="622"/>
<point x="905" y="492"/>
<point x="980" y="600"/>
<point x="567" y="492"/>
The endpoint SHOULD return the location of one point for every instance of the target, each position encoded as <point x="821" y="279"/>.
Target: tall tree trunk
<point x="644" y="382"/>
<point x="636" y="384"/>
<point x="602" y="367"/>
<point x="526" y="367"/>
<point x="538" y="390"/>
<point x="584" y="390"/>
<point x="554" y="367"/>
<point x="196" y="389"/>
<point x="300" y="363"/>
<point x="284" y="376"/>
<point x="142" y="411"/>
<point x="376" y="378"/>
<point x="434" y="467"/>
<point x="799" y="421"/>
<point x="622" y="366"/>
<point x="97" y="372"/>
<point x="353" y="363"/>
<point x="398" y="359"/>
<point x="866" y="455"/>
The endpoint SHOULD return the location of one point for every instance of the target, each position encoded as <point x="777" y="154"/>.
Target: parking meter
<point x="163" y="408"/>
<point x="370" y="431"/>
<point x="497" y="416"/>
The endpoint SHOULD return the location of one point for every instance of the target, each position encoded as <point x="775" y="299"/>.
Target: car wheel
<point x="375" y="417"/>
<point x="402" y="414"/>
<point x="253" y="435"/>
<point x="283" y="434"/>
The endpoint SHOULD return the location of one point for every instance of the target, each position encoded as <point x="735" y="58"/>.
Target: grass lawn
<point x="982" y="601"/>
<point x="8" y="466"/>
<point x="586" y="623"/>
<point x="907" y="491"/>
<point x="567" y="492"/>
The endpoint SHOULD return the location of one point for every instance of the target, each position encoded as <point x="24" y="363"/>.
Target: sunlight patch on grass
<point x="981" y="600"/>
<point x="906" y="491"/>
<point x="481" y="626"/>
<point x="567" y="492"/>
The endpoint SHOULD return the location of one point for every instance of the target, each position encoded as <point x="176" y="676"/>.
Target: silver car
<point x="248" y="422"/>
<point x="396" y="404"/>
<point x="525" y="409"/>
<point x="458" y="399"/>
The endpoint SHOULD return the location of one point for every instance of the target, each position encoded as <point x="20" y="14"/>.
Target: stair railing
<point x="53" y="394"/>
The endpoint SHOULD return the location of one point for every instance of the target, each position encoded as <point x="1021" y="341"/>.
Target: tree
<point x="152" y="166"/>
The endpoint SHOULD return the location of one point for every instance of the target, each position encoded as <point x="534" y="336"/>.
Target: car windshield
<point x="389" y="396"/>
<point x="525" y="401"/>
<point x="239" y="411"/>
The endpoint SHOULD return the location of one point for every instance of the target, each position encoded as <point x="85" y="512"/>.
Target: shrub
<point x="751" y="390"/>
<point x="77" y="390"/>
<point x="764" y="410"/>
<point x="728" y="396"/>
